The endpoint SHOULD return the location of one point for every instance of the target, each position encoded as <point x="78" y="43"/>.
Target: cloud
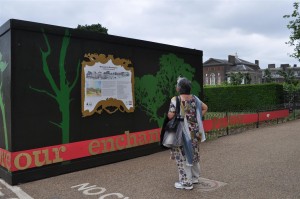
<point x="255" y="29"/>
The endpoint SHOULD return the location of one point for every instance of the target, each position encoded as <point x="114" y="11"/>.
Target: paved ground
<point x="261" y="163"/>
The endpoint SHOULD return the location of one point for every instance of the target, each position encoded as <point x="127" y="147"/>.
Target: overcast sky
<point x="252" y="29"/>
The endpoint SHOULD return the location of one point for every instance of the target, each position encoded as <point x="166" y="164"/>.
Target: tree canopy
<point x="294" y="27"/>
<point x="236" y="78"/>
<point x="268" y="76"/>
<point x="289" y="76"/>
<point x="94" y="27"/>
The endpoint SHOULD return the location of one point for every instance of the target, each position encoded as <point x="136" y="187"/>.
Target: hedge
<point x="243" y="97"/>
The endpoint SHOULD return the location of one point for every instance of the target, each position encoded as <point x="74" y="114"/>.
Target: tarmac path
<point x="262" y="163"/>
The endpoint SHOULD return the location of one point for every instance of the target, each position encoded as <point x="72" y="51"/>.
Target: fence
<point x="292" y="100"/>
<point x="226" y="123"/>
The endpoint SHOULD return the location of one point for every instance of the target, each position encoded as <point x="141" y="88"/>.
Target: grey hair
<point x="184" y="85"/>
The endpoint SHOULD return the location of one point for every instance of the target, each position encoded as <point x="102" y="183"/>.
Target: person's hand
<point x="172" y="157"/>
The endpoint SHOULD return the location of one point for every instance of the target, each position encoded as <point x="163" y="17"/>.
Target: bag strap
<point x="177" y="106"/>
<point x="182" y="109"/>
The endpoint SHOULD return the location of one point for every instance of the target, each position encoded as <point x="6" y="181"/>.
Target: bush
<point x="243" y="97"/>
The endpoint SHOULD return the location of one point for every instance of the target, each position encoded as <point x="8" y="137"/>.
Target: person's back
<point x="187" y="156"/>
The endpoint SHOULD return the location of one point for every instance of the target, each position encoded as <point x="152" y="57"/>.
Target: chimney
<point x="257" y="62"/>
<point x="271" y="65"/>
<point x="284" y="66"/>
<point x="231" y="59"/>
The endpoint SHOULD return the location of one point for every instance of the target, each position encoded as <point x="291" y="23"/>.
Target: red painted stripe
<point x="5" y="158"/>
<point x="21" y="160"/>
<point x="270" y="115"/>
<point x="53" y="154"/>
<point x="242" y="119"/>
<point x="215" y="123"/>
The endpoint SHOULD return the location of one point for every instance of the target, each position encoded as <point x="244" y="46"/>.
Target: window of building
<point x="212" y="79"/>
<point x="206" y="79"/>
<point x="228" y="80"/>
<point x="219" y="78"/>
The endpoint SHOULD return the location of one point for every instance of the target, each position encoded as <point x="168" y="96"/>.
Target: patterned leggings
<point x="187" y="174"/>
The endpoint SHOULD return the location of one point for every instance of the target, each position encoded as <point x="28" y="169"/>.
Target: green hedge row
<point x="243" y="97"/>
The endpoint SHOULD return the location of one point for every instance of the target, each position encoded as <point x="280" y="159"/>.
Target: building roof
<point x="240" y="68"/>
<point x="235" y="63"/>
<point x="239" y="61"/>
<point x="214" y="62"/>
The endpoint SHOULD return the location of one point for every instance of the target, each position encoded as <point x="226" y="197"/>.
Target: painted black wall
<point x="5" y="80"/>
<point x="30" y="112"/>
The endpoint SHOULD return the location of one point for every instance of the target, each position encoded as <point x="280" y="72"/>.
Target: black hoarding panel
<point x="78" y="96"/>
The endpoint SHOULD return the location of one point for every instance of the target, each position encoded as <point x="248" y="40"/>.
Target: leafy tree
<point x="236" y="78"/>
<point x="94" y="27"/>
<point x="268" y="76"/>
<point x="247" y="78"/>
<point x="289" y="76"/>
<point x="290" y="91"/>
<point x="294" y="27"/>
<point x="290" y="88"/>
<point x="3" y="66"/>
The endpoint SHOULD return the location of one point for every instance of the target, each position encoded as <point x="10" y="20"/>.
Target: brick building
<point x="283" y="67"/>
<point x="217" y="71"/>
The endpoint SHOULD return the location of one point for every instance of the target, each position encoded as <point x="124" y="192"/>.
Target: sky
<point x="251" y="29"/>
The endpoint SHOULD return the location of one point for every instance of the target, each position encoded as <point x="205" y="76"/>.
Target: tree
<point x="294" y="27"/>
<point x="94" y="27"/>
<point x="289" y="76"/>
<point x="268" y="76"/>
<point x="247" y="78"/>
<point x="236" y="78"/>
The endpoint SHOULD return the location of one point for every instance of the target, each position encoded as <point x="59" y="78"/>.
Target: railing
<point x="221" y="124"/>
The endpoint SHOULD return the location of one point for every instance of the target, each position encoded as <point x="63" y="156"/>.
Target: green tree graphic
<point x="62" y="92"/>
<point x="148" y="96"/>
<point x="3" y="66"/>
<point x="171" y="67"/>
<point x="153" y="91"/>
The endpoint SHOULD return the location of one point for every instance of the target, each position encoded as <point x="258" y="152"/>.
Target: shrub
<point x="243" y="97"/>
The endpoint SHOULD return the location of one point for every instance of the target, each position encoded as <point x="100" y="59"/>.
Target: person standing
<point x="187" y="156"/>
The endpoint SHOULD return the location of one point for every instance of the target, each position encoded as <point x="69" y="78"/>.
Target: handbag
<point x="173" y="129"/>
<point x="173" y="138"/>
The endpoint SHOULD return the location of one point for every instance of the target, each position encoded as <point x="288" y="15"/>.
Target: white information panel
<point x="107" y="84"/>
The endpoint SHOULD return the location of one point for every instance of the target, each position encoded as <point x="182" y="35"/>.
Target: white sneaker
<point x="196" y="181"/>
<point x="179" y="185"/>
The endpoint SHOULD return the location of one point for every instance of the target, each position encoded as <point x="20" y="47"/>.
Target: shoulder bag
<point x="173" y="129"/>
